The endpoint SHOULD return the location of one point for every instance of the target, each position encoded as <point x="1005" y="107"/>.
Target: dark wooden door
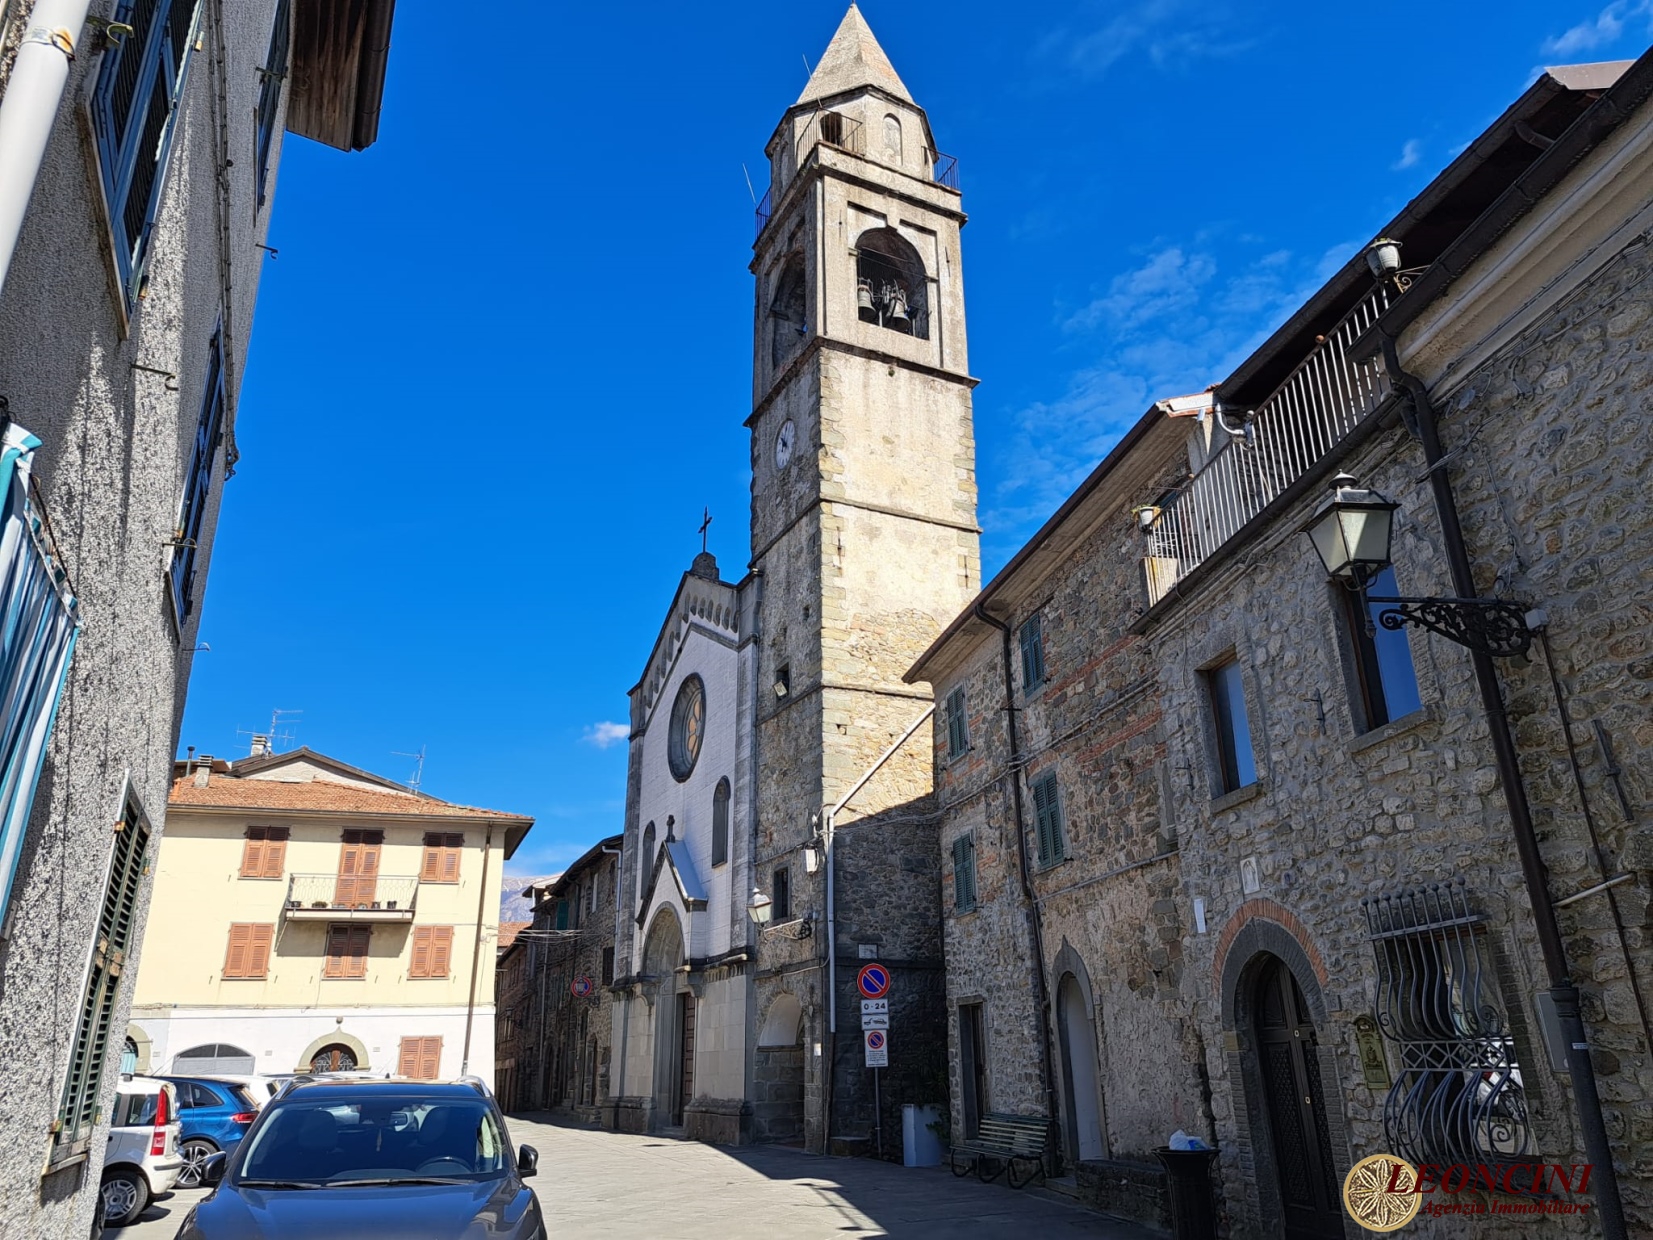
<point x="973" y="1066"/>
<point x="1296" y="1105"/>
<point x="685" y="1042"/>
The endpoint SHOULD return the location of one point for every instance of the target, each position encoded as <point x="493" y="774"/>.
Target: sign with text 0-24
<point x="878" y="1048"/>
<point x="873" y="981"/>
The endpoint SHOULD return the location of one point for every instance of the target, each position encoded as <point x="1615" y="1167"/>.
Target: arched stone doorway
<point x="327" y="1048"/>
<point x="1081" y="1079"/>
<point x="674" y="1020"/>
<point x="334" y="1057"/>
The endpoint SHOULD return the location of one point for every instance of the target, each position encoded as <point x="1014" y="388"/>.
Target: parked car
<point x="371" y="1159"/>
<point x="216" y="1115"/>
<point x="143" y="1158"/>
<point x="259" y="1088"/>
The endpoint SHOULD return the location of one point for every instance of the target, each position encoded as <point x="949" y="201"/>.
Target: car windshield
<point x="329" y="1138"/>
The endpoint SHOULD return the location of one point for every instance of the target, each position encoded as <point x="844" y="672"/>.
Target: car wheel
<point x="124" y="1195"/>
<point x="196" y="1151"/>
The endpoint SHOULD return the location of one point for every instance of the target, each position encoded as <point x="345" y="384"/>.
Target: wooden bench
<point x="1000" y="1144"/>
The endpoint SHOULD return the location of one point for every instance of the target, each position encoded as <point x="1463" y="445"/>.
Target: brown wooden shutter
<point x="252" y="854"/>
<point x="275" y="851"/>
<point x="235" y="957"/>
<point x="431" y="866"/>
<point x="359" y="939"/>
<point x="259" y="939"/>
<point x="441" y="950"/>
<point x="420" y="1058"/>
<point x="420" y="966"/>
<point x="432" y="1060"/>
<point x="451" y="847"/>
<point x="407" y="1058"/>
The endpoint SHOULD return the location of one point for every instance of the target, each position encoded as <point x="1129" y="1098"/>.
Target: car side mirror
<point x="528" y="1160"/>
<point x="212" y="1171"/>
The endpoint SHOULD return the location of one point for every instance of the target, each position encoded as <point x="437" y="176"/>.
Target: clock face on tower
<point x="783" y="443"/>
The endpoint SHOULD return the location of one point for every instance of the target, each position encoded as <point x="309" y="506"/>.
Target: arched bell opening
<point x="788" y="313"/>
<point x="891" y="286"/>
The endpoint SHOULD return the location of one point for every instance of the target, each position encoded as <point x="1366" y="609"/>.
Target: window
<point x="248" y="954"/>
<point x="892" y="137"/>
<point x="1384" y="676"/>
<point x="420" y="1058"/>
<point x="83" y="1086"/>
<point x="135" y="108"/>
<point x="687" y="728"/>
<point x="892" y="288"/>
<point x="269" y="96"/>
<point x="441" y="860"/>
<point x="1047" y="814"/>
<point x="608" y="965"/>
<point x="1458" y="1096"/>
<point x="1033" y="653"/>
<point x="347" y="951"/>
<point x="264" y="855"/>
<point x="1236" y="765"/>
<point x="958" y="727"/>
<point x="720" y="823"/>
<point x="562" y="914"/>
<point x="964" y="873"/>
<point x="198" y="484"/>
<point x="432" y="951"/>
<point x="783" y="894"/>
<point x="645" y="863"/>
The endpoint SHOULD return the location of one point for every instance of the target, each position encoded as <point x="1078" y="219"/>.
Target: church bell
<point x="863" y="295"/>
<point x="898" y="308"/>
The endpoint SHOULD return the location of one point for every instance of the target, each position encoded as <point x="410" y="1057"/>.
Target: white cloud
<point x="1169" y="32"/>
<point x="605" y="734"/>
<point x="1409" y="155"/>
<point x="1605" y="28"/>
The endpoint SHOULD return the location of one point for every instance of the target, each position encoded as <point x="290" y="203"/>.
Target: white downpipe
<point x="827" y="833"/>
<point x="28" y="111"/>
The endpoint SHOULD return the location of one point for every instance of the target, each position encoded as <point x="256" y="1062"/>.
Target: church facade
<point x="778" y="762"/>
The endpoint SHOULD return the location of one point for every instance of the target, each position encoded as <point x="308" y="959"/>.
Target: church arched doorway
<point x="674" y="1020"/>
<point x="1294" y="1104"/>
<point x="1080" y="1077"/>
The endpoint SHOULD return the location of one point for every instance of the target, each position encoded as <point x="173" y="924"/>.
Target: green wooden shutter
<point x="1033" y="654"/>
<point x="1048" y="816"/>
<point x="964" y="895"/>
<point x="958" y="734"/>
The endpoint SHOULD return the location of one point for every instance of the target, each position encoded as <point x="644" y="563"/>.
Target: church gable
<point x="673" y="859"/>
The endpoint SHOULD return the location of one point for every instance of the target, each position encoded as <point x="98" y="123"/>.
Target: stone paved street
<point x="614" y="1186"/>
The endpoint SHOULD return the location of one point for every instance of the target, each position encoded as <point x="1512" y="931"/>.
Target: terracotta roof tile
<point x="508" y="931"/>
<point x="318" y="795"/>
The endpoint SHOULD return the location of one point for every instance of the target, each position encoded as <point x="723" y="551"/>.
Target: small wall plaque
<point x="1374" y="1067"/>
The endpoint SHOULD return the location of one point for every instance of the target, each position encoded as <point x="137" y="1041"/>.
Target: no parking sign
<point x="878" y="1048"/>
<point x="874" y="981"/>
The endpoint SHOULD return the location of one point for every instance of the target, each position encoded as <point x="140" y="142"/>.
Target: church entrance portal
<point x="673" y="1021"/>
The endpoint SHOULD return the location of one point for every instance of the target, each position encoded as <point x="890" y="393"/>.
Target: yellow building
<point x="311" y="916"/>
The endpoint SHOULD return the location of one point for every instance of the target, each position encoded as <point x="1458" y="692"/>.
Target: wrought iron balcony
<point x="332" y="897"/>
<point x="1303" y="421"/>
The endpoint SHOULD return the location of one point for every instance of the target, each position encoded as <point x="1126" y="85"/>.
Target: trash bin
<point x="921" y="1147"/>
<point x="1188" y="1184"/>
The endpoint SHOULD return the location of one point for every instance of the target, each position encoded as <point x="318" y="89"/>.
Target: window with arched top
<point x="788" y="313"/>
<point x="892" y="137"/>
<point x="720" y="823"/>
<point x="892" y="289"/>
<point x="645" y="860"/>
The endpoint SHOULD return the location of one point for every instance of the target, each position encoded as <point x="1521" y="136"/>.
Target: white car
<point x="142" y="1159"/>
<point x="260" y="1088"/>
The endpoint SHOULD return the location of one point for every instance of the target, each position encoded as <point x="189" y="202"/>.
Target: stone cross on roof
<point x="853" y="59"/>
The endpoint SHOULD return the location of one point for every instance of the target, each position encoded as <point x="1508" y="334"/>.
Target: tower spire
<point x="853" y="59"/>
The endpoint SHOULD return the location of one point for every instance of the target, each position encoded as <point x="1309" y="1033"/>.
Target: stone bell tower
<point x="864" y="533"/>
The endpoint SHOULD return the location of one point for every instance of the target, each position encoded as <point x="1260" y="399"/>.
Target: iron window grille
<point x="80" y="1109"/>
<point x="135" y="108"/>
<point x="1047" y="812"/>
<point x="964" y="874"/>
<point x="1458" y="1097"/>
<point x="1033" y="653"/>
<point x="273" y="75"/>
<point x="209" y="432"/>
<point x="958" y="727"/>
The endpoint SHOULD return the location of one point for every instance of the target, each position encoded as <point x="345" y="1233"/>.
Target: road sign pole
<point x="877" y="1116"/>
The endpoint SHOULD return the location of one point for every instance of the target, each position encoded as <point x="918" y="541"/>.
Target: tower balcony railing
<point x="337" y="897"/>
<point x="944" y="169"/>
<point x="764" y="209"/>
<point x="1302" y="422"/>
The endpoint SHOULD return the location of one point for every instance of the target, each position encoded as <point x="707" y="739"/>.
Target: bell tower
<point x="863" y="518"/>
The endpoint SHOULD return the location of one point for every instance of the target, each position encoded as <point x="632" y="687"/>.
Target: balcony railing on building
<point x="336" y="897"/>
<point x="1303" y="421"/>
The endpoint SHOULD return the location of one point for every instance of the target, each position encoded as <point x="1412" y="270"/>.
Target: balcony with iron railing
<point x="335" y="897"/>
<point x="1300" y="424"/>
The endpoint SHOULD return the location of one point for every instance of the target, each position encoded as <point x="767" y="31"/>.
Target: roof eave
<point x="340" y="52"/>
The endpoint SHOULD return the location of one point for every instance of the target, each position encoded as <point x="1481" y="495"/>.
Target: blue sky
<point x="502" y="361"/>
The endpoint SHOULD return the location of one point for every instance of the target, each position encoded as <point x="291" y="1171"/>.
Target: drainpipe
<point x="28" y="111"/>
<point x="1035" y="923"/>
<point x="476" y="951"/>
<point x="828" y="832"/>
<point x="1563" y="993"/>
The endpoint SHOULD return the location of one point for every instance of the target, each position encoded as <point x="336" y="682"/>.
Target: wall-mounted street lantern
<point x="1352" y="533"/>
<point x="760" y="908"/>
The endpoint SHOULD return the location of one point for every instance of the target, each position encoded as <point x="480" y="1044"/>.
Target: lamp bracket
<point x="1490" y="626"/>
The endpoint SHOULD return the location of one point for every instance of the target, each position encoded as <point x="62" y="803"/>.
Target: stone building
<point x="769" y="700"/>
<point x="1241" y="819"/>
<point x="136" y="179"/>
<point x="560" y="1051"/>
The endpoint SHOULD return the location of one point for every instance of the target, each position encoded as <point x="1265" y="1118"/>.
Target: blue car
<point x="216" y="1115"/>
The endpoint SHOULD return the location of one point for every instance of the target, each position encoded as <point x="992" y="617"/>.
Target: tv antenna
<point x="263" y="744"/>
<point x="418" y="770"/>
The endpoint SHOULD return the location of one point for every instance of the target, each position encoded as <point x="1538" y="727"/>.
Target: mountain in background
<point x="513" y="905"/>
